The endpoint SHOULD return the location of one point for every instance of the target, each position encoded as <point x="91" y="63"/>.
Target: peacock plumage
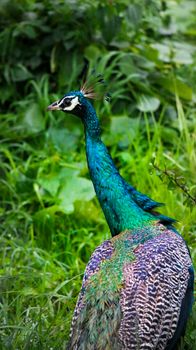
<point x="137" y="290"/>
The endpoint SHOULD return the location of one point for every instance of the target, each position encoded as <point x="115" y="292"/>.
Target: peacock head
<point x="74" y="102"/>
<point x="77" y="102"/>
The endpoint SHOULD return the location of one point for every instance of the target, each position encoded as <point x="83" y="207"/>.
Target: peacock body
<point x="137" y="290"/>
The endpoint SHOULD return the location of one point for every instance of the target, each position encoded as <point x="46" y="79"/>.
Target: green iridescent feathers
<point x="99" y="310"/>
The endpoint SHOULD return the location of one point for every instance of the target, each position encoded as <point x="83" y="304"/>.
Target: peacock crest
<point x="95" y="87"/>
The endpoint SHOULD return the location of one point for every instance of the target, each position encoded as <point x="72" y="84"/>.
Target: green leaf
<point x="67" y="187"/>
<point x="122" y="130"/>
<point x="52" y="181"/>
<point x="75" y="189"/>
<point x="29" y="31"/>
<point x="183" y="56"/>
<point x="120" y="125"/>
<point x="126" y="64"/>
<point x="143" y="62"/>
<point x="92" y="52"/>
<point x="110" y="23"/>
<point x="63" y="139"/>
<point x="169" y="135"/>
<point x="134" y="15"/>
<point x="20" y="73"/>
<point x="181" y="53"/>
<point x="164" y="51"/>
<point x="33" y="119"/>
<point x="176" y="86"/>
<point x="148" y="103"/>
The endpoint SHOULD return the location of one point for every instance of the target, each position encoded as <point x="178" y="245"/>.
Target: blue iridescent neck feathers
<point x="124" y="207"/>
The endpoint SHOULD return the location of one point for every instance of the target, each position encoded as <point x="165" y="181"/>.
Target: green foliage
<point x="138" y="42"/>
<point x="50" y="219"/>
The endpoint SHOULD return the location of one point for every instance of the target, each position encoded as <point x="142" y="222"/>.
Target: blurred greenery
<point x="50" y="218"/>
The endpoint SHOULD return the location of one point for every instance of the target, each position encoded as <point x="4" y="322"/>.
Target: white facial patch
<point x="74" y="101"/>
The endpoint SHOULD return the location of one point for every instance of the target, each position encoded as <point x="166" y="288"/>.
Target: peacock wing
<point x="133" y="292"/>
<point x="158" y="285"/>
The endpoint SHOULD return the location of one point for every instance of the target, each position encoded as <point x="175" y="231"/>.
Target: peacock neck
<point x="119" y="208"/>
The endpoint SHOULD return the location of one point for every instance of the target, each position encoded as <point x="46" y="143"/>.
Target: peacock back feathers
<point x="133" y="287"/>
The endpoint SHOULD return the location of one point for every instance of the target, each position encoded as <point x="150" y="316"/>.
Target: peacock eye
<point x="66" y="103"/>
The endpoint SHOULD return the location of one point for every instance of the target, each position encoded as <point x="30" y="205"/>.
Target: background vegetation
<point x="50" y="219"/>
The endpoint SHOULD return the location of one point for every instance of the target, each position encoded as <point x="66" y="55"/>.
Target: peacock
<point x="137" y="289"/>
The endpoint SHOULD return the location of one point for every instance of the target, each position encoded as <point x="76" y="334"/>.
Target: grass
<point x="44" y="249"/>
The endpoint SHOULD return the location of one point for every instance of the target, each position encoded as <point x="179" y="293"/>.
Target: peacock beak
<point x="53" y="106"/>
